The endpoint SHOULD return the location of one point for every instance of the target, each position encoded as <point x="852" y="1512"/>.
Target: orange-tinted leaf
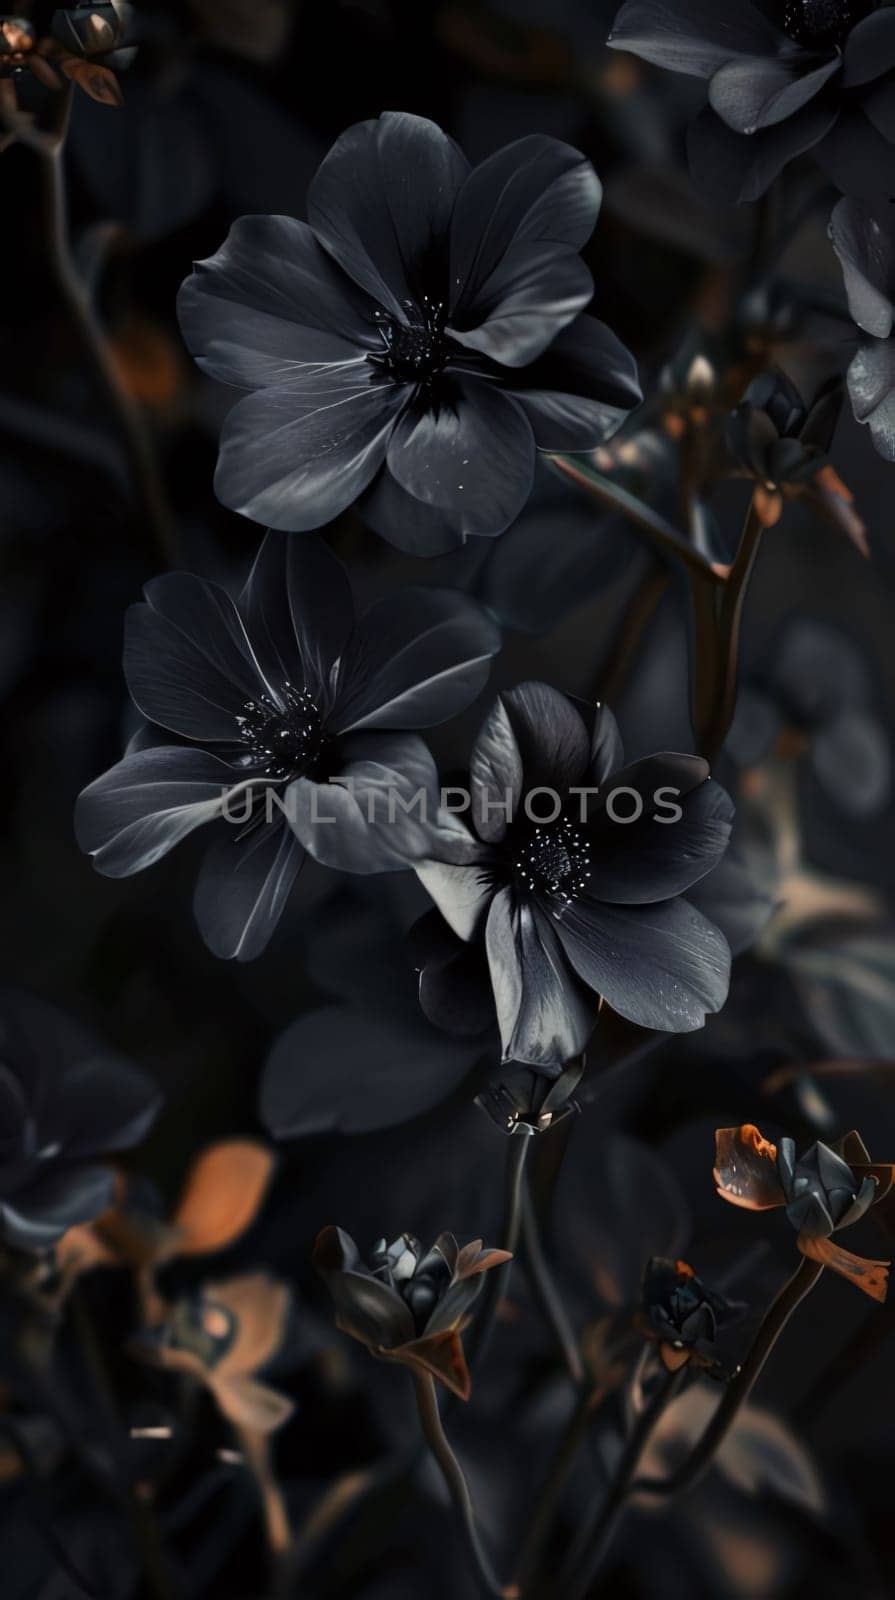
<point x="442" y="1355"/>
<point x="746" y="1168"/>
<point x="260" y="1306"/>
<point x="249" y="1404"/>
<point x="99" y="82"/>
<point x="222" y="1195"/>
<point x="870" y="1276"/>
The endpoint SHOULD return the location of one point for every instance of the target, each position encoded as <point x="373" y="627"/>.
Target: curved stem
<point x="544" y="1289"/>
<point x="738" y="1390"/>
<point x="660" y="532"/>
<point x="458" y="1488"/>
<point x="718" y="645"/>
<point x="574" y="1435"/>
<point x="145" y="479"/>
<point x="595" y="1537"/>
<point x="497" y="1280"/>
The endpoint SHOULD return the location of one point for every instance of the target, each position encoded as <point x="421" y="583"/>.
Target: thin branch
<point x="452" y="1472"/>
<point x="657" y="529"/>
<point x="738" y="1390"/>
<point x="573" y="1437"/>
<point x="497" y="1280"/>
<point x="595" y="1537"/>
<point x="544" y="1289"/>
<point x="146" y="482"/>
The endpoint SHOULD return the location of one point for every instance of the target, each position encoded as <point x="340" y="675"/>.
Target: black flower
<point x="522" y="1100"/>
<point x="414" y="344"/>
<point x="864" y="241"/>
<point x="823" y="1190"/>
<point x="65" y="1103"/>
<point x="408" y="1304"/>
<point x="683" y="1316"/>
<point x="784" y="76"/>
<point x="573" y="876"/>
<point x="78" y="37"/>
<point x="782" y="444"/>
<point x="268" y="699"/>
<point x="814" y="698"/>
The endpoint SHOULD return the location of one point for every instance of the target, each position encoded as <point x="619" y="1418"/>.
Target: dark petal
<point x="455" y="994"/>
<point x="755" y="93"/>
<point x="40" y="1214"/>
<point x="454" y="1305"/>
<point x="415" y="659"/>
<point x="383" y="819"/>
<point x="407" y="523"/>
<point x="879" y="107"/>
<point x="582" y="388"/>
<point x="865" y="245"/>
<point x="553" y="741"/>
<point x="140" y="809"/>
<point x="461" y="893"/>
<point x="544" y="1016"/>
<point x="299" y="614"/>
<point x="369" y="1310"/>
<point x="188" y="662"/>
<point x="606" y="749"/>
<point x="534" y="192"/>
<point x="695" y="37"/>
<point x="296" y="456"/>
<point x="269" y="303"/>
<point x="534" y="292"/>
<point x="638" y="863"/>
<point x="869" y="49"/>
<point x="101" y="1103"/>
<point x="733" y="167"/>
<point x="857" y="158"/>
<point x="660" y="966"/>
<point x="243" y="886"/>
<point x="381" y="203"/>
<point x="732" y="898"/>
<point x="471" y="456"/>
<point x="340" y="1070"/>
<point x="495" y="775"/>
<point x="871" y="386"/>
<point x="853" y="759"/>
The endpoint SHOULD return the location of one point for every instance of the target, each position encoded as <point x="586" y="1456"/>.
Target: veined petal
<point x="533" y="293"/>
<point x="243" y="886"/>
<point x="270" y="303"/>
<point x="381" y="816"/>
<point x="865" y="245"/>
<point x="296" y="457"/>
<point x="545" y="1016"/>
<point x="695" y="37"/>
<point x="188" y="661"/>
<point x="415" y="659"/>
<point x="581" y="389"/>
<point x="471" y="455"/>
<point x="140" y="809"/>
<point x="407" y="523"/>
<point x="299" y="613"/>
<point x="759" y="91"/>
<point x="381" y="203"/>
<point x="661" y="966"/>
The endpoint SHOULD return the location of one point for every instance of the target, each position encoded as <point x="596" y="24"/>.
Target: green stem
<point x="738" y="1390"/>
<point x="595" y="1537"/>
<point x="452" y="1472"/>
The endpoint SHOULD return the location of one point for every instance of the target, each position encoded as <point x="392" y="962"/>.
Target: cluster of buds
<point x="78" y="37"/>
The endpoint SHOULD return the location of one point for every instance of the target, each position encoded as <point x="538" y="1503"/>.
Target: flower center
<point x="821" y="22"/>
<point x="554" y="859"/>
<point x="414" y="349"/>
<point x="284" y="739"/>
